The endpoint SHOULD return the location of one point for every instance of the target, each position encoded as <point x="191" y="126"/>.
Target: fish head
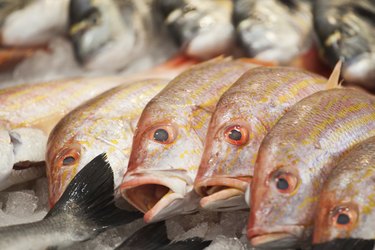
<point x="228" y="160"/>
<point x="282" y="197"/>
<point x="346" y="207"/>
<point x="164" y="159"/>
<point x="71" y="146"/>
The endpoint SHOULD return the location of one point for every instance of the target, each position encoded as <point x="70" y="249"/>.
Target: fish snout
<point x="159" y="196"/>
<point x="223" y="193"/>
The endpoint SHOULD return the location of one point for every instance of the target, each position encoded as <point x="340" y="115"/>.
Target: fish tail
<point x="90" y="197"/>
<point x="345" y="244"/>
<point x="334" y="79"/>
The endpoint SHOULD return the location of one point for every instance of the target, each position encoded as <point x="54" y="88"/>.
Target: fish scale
<point x="326" y="125"/>
<point x="183" y="110"/>
<point x="255" y="102"/>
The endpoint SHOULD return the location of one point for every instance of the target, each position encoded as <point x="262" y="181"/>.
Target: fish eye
<point x="343" y="216"/>
<point x="285" y="183"/>
<point x="236" y="135"/>
<point x="68" y="156"/>
<point x="69" y="160"/>
<point x="164" y="134"/>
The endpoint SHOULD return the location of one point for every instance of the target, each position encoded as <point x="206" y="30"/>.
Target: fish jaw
<point x="159" y="196"/>
<point x="223" y="193"/>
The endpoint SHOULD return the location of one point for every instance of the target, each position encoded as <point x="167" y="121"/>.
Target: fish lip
<point x="173" y="191"/>
<point x="285" y="236"/>
<point x="233" y="191"/>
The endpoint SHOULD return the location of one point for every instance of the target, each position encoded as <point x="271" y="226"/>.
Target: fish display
<point x="273" y="30"/>
<point x="116" y="31"/>
<point x="27" y="115"/>
<point x="168" y="141"/>
<point x="245" y="113"/>
<point x="345" y="208"/>
<point x="85" y="209"/>
<point x="297" y="156"/>
<point x="202" y="29"/>
<point x="104" y="123"/>
<point x="154" y="237"/>
<point x="345" y="32"/>
<point x="35" y="24"/>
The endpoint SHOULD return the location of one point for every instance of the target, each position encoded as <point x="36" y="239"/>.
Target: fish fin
<point x="152" y="236"/>
<point x="195" y="243"/>
<point x="346" y="244"/>
<point x="257" y="61"/>
<point x="89" y="196"/>
<point x="334" y="79"/>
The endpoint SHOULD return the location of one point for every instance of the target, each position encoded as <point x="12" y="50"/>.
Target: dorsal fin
<point x="334" y="79"/>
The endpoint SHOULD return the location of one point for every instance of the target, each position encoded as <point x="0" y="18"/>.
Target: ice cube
<point x="224" y="243"/>
<point x="233" y="222"/>
<point x="21" y="203"/>
<point x="199" y="231"/>
<point x="41" y="191"/>
<point x="174" y="228"/>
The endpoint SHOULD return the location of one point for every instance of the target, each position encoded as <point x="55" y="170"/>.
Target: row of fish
<point x="122" y="31"/>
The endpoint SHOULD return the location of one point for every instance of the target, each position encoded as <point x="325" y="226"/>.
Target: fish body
<point x="202" y="29"/>
<point x="104" y="123"/>
<point x="168" y="141"/>
<point x="245" y="113"/>
<point x="84" y="210"/>
<point x="297" y="156"/>
<point x="119" y="31"/>
<point x="29" y="112"/>
<point x="346" y="208"/>
<point x="273" y="30"/>
<point x="345" y="32"/>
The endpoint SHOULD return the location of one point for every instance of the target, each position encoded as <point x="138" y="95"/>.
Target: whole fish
<point x="85" y="209"/>
<point x="120" y="31"/>
<point x="345" y="208"/>
<point x="27" y="115"/>
<point x="168" y="141"/>
<point x="273" y="30"/>
<point x="202" y="29"/>
<point x="345" y="30"/>
<point x="297" y="156"/>
<point x="154" y="237"/>
<point x="35" y="24"/>
<point x="104" y="123"/>
<point x="245" y="113"/>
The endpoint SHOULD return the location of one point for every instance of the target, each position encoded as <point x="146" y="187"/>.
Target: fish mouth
<point x="287" y="237"/>
<point x="223" y="193"/>
<point x="159" y="197"/>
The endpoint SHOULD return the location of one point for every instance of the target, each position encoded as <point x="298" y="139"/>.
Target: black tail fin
<point x="346" y="244"/>
<point x="89" y="196"/>
<point x="150" y="237"/>
<point x="195" y="243"/>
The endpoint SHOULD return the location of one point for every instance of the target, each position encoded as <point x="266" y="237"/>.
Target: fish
<point x="168" y="140"/>
<point x="345" y="208"/>
<point x="345" y="32"/>
<point x="273" y="30"/>
<point x="245" y="113"/>
<point x="201" y="29"/>
<point x="85" y="209"/>
<point x="297" y="156"/>
<point x="28" y="113"/>
<point x="35" y="24"/>
<point x="104" y="123"/>
<point x="119" y="31"/>
<point x="154" y="237"/>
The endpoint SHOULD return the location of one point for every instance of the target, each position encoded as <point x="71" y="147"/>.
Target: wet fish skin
<point x="345" y="32"/>
<point x="297" y="156"/>
<point x="104" y="123"/>
<point x="251" y="106"/>
<point x="202" y="29"/>
<point x="160" y="175"/>
<point x="273" y="30"/>
<point x="29" y="112"/>
<point x="84" y="210"/>
<point x="348" y="192"/>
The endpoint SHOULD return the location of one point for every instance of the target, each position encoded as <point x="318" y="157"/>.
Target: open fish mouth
<point x="289" y="237"/>
<point x="159" y="197"/>
<point x="223" y="193"/>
